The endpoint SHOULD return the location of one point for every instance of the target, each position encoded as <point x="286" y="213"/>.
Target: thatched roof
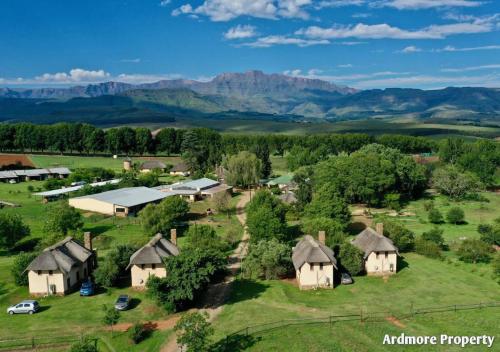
<point x="154" y="251"/>
<point x="309" y="250"/>
<point x="288" y="197"/>
<point x="180" y="167"/>
<point x="61" y="256"/>
<point x="153" y="164"/>
<point x="370" y="241"/>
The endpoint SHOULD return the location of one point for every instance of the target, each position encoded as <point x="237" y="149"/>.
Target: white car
<point x="12" y="181"/>
<point x="25" y="307"/>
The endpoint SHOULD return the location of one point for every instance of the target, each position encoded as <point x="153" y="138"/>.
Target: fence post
<point x="246" y="331"/>
<point x="330" y="320"/>
<point x="480" y="305"/>
<point x="455" y="308"/>
<point x="361" y="315"/>
<point x="412" y="313"/>
<point x="32" y="342"/>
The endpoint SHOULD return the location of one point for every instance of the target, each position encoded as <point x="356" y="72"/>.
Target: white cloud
<point x="410" y="49"/>
<point x="471" y="68"/>
<point x="345" y="66"/>
<point x="272" y="40"/>
<point x="131" y="61"/>
<point x="164" y="3"/>
<point x="338" y="3"/>
<point x="361" y="15"/>
<point x="240" y="32"/>
<point x="450" y="48"/>
<point x="425" y="4"/>
<point x="74" y="75"/>
<point x="384" y="30"/>
<point x="225" y="10"/>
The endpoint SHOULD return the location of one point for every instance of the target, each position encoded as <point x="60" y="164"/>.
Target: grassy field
<point x="106" y="162"/>
<point x="421" y="282"/>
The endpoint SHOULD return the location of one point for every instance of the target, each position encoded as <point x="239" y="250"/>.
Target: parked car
<point x="87" y="289"/>
<point x="123" y="302"/>
<point x="78" y="183"/>
<point x="25" y="307"/>
<point x="12" y="182"/>
<point x="345" y="279"/>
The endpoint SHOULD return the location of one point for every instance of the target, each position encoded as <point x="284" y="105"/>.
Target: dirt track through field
<point x="218" y="293"/>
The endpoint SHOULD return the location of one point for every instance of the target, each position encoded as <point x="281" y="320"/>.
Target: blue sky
<point x="360" y="43"/>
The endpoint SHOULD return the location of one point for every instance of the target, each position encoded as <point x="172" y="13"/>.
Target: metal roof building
<point x="66" y="190"/>
<point x="120" y="202"/>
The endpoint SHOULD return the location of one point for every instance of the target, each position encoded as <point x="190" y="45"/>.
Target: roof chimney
<point x="379" y="228"/>
<point x="173" y="236"/>
<point x="87" y="240"/>
<point x="321" y="236"/>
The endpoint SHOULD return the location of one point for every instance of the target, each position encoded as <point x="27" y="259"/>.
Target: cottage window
<point x="312" y="266"/>
<point x="320" y="266"/>
<point x="386" y="255"/>
<point x="50" y="272"/>
<point x="142" y="266"/>
<point x="376" y="254"/>
<point x="39" y="272"/>
<point x="153" y="266"/>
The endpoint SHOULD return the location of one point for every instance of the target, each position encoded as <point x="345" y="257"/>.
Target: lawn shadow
<point x="97" y="230"/>
<point x="235" y="342"/>
<point x="244" y="290"/>
<point x="26" y="246"/>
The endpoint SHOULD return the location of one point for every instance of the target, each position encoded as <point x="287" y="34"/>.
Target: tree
<point x="435" y="216"/>
<point x="113" y="265"/>
<point x="160" y="218"/>
<point x="188" y="275"/>
<point x="18" y="269"/>
<point x="328" y="203"/>
<point x="455" y="183"/>
<point x="334" y="230"/>
<point x="193" y="331"/>
<point x="474" y="251"/>
<point x="434" y="235"/>
<point x="393" y="201"/>
<point x="143" y="141"/>
<point x="266" y="217"/>
<point x="351" y="258"/>
<point x="428" y="248"/>
<point x="61" y="220"/>
<point x="261" y="151"/>
<point x="85" y="344"/>
<point x="455" y="216"/>
<point x="490" y="233"/>
<point x="203" y="237"/>
<point x="222" y="202"/>
<point x="12" y="229"/>
<point x="243" y="169"/>
<point x="403" y="238"/>
<point x="267" y="259"/>
<point x="111" y="316"/>
<point x="451" y="149"/>
<point x="138" y="332"/>
<point x="302" y="178"/>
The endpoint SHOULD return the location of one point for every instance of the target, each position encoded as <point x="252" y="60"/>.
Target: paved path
<point x="218" y="293"/>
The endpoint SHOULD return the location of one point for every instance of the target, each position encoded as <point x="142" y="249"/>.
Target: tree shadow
<point x="97" y="230"/>
<point x="356" y="227"/>
<point x="402" y="264"/>
<point x="244" y="290"/>
<point x="234" y="343"/>
<point x="26" y="246"/>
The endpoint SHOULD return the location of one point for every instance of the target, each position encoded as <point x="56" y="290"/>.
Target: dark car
<point x="87" y="289"/>
<point x="345" y="279"/>
<point x="122" y="303"/>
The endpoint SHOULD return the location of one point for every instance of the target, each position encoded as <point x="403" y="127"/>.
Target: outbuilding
<point x="120" y="202"/>
<point x="151" y="165"/>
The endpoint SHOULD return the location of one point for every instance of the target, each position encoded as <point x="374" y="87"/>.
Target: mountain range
<point x="245" y="95"/>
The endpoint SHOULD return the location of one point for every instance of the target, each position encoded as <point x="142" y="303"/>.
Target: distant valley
<point x="249" y="95"/>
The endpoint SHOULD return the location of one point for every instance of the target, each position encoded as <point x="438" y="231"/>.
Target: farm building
<point x="34" y="174"/>
<point x="196" y="189"/>
<point x="148" y="260"/>
<point x="61" y="267"/>
<point x="6" y="176"/>
<point x="314" y="263"/>
<point x="120" y="202"/>
<point x="284" y="182"/>
<point x="181" y="169"/>
<point x="151" y="165"/>
<point x="380" y="254"/>
<point x="57" y="193"/>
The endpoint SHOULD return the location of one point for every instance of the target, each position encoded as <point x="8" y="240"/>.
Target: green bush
<point x="351" y="258"/>
<point x="428" y="248"/>
<point x="21" y="261"/>
<point x="435" y="216"/>
<point x="138" y="333"/>
<point x="474" y="251"/>
<point x="434" y="235"/>
<point x="267" y="259"/>
<point x="86" y="344"/>
<point x="402" y="237"/>
<point x="455" y="216"/>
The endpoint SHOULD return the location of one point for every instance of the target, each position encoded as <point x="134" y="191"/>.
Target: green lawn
<point x="422" y="282"/>
<point x="107" y="162"/>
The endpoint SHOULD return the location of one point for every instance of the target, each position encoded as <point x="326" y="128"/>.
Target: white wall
<point x="312" y="275"/>
<point x="381" y="264"/>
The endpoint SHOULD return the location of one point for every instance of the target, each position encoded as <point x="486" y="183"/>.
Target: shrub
<point x="455" y="216"/>
<point x="428" y="205"/>
<point x="334" y="230"/>
<point x="138" y="333"/>
<point x="193" y="331"/>
<point x="12" y="229"/>
<point x="86" y="344"/>
<point x="402" y="237"/>
<point x="351" y="258"/>
<point x="434" y="235"/>
<point x="428" y="248"/>
<point x="435" y="216"/>
<point x="474" y="251"/>
<point x="268" y="259"/>
<point x="496" y="267"/>
<point x="204" y="236"/>
<point x="21" y="261"/>
<point x="490" y="234"/>
<point x="113" y="265"/>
